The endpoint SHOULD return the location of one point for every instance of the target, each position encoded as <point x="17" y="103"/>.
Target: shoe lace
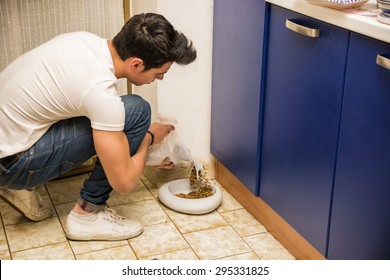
<point x="113" y="217"/>
<point x="38" y="197"/>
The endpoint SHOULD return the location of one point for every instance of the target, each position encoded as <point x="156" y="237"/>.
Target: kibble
<point x="202" y="192"/>
<point x="198" y="177"/>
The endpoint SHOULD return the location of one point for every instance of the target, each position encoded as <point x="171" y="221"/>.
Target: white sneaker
<point x="101" y="225"/>
<point x="26" y="202"/>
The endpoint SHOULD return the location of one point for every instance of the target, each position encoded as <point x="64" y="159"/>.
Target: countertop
<point x="361" y="20"/>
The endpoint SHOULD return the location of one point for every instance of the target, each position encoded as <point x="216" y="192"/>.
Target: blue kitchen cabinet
<point x="360" y="223"/>
<point x="237" y="69"/>
<point x="302" y="111"/>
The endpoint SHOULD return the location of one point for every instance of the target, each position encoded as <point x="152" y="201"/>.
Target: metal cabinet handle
<point x="383" y="61"/>
<point x="303" y="30"/>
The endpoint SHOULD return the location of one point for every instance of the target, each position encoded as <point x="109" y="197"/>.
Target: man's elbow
<point x="124" y="188"/>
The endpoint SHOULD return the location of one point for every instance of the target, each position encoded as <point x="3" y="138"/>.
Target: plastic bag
<point x="171" y="149"/>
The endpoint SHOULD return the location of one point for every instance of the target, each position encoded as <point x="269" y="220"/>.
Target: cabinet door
<point x="360" y="224"/>
<point x="237" y="63"/>
<point x="303" y="98"/>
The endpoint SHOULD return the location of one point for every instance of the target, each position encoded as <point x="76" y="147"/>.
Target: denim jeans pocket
<point x="8" y="179"/>
<point x="47" y="173"/>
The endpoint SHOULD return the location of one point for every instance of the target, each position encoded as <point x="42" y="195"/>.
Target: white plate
<point x="166" y="195"/>
<point x="383" y="19"/>
<point x="340" y="4"/>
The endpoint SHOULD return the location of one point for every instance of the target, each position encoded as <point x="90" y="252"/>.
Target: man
<point x="59" y="107"/>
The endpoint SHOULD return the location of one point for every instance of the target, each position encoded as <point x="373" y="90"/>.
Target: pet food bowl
<point x="166" y="195"/>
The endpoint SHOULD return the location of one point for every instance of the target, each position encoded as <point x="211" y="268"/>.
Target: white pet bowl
<point x="167" y="192"/>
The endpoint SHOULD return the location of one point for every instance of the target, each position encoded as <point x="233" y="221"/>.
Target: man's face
<point x="141" y="77"/>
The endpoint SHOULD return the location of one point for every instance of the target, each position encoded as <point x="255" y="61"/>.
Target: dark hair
<point x="153" y="39"/>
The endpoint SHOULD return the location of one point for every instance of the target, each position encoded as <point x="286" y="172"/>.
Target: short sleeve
<point x="104" y="109"/>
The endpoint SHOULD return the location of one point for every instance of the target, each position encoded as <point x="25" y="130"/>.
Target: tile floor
<point x="229" y="232"/>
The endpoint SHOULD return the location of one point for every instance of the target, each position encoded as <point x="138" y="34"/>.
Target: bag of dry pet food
<point x="171" y="149"/>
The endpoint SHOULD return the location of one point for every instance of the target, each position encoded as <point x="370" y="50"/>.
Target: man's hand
<point x="160" y="131"/>
<point x="166" y="164"/>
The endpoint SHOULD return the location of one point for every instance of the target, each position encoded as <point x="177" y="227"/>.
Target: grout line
<point x="43" y="246"/>
<point x="149" y="187"/>
<point x="170" y="219"/>
<point x="227" y="224"/>
<point x="59" y="220"/>
<point x="6" y="236"/>
<point x="132" y="249"/>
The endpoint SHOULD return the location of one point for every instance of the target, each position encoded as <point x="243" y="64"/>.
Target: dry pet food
<point x="198" y="178"/>
<point x="202" y="192"/>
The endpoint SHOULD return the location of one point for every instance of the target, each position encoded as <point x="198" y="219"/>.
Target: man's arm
<point x="122" y="171"/>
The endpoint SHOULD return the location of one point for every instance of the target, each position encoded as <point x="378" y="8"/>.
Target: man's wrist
<point x="152" y="135"/>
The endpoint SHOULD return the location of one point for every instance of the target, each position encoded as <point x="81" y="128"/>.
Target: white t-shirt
<point x="71" y="75"/>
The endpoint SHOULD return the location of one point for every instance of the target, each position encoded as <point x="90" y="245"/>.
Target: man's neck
<point x="117" y="61"/>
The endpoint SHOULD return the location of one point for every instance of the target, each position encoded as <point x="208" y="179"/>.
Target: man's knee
<point x="138" y="111"/>
<point x="135" y="102"/>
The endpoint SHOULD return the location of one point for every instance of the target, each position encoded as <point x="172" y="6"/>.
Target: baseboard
<point x="298" y="246"/>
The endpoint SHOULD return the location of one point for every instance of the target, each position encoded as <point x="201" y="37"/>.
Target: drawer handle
<point x="383" y="61"/>
<point x="303" y="30"/>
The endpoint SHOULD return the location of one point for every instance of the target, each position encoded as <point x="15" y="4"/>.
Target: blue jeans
<point x="68" y="144"/>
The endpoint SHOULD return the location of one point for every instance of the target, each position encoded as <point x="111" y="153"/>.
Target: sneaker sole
<point x="28" y="216"/>
<point x="98" y="237"/>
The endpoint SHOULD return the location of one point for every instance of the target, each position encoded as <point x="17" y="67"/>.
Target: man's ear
<point x="136" y="64"/>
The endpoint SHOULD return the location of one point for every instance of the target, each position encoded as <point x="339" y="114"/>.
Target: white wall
<point x="185" y="92"/>
<point x="149" y="92"/>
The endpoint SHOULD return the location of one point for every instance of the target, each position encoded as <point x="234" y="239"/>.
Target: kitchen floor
<point x="229" y="232"/>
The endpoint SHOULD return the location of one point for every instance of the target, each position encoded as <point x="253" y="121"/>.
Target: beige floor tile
<point x="216" y="243"/>
<point x="34" y="234"/>
<point x="139" y="193"/>
<point x="64" y="191"/>
<point x="158" y="239"/>
<point x="63" y="210"/>
<point x="186" y="254"/>
<point x="154" y="192"/>
<point x="147" y="183"/>
<point x="243" y="222"/>
<point x="168" y="234"/>
<point x="117" y="253"/>
<point x="10" y="215"/>
<point x="267" y="247"/>
<point x="60" y="251"/>
<point x="189" y="223"/>
<point x="41" y="189"/>
<point x="158" y="177"/>
<point x="245" y="256"/>
<point x="81" y="247"/>
<point x="4" y="250"/>
<point x="149" y="212"/>
<point x="229" y="203"/>
<point x="4" y="254"/>
<point x="163" y="206"/>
